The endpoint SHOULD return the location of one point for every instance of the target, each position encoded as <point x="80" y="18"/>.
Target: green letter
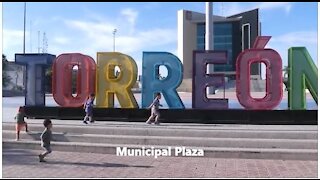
<point x="303" y="73"/>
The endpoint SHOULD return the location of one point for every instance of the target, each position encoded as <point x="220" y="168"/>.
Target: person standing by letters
<point x="155" y="114"/>
<point x="88" y="107"/>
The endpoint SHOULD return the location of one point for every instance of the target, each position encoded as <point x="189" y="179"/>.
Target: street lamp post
<point x="114" y="39"/>
<point x="209" y="39"/>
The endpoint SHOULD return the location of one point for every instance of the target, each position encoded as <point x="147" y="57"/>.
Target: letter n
<point x="303" y="74"/>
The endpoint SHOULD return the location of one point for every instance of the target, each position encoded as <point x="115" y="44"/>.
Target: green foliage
<point x="5" y="77"/>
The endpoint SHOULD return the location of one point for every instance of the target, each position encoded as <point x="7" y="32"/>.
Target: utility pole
<point x="30" y="36"/>
<point x="114" y="39"/>
<point x="44" y="43"/>
<point x="38" y="42"/>
<point x="24" y="29"/>
<point x="222" y="9"/>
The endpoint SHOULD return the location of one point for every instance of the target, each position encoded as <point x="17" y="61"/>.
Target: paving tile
<point x="91" y="165"/>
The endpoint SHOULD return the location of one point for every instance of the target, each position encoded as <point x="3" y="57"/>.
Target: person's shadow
<point x="25" y="157"/>
<point x="55" y="137"/>
<point x="95" y="164"/>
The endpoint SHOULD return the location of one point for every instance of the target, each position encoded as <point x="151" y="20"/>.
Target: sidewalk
<point x="20" y="163"/>
<point x="79" y="123"/>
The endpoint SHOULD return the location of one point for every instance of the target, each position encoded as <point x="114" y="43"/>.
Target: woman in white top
<point x="155" y="114"/>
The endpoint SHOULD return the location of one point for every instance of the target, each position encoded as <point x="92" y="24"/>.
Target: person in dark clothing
<point x="46" y="138"/>
<point x="88" y="107"/>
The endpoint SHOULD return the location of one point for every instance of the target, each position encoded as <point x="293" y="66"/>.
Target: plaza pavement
<point x="23" y="163"/>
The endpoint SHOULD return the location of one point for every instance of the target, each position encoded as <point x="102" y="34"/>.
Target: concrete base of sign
<point x="228" y="116"/>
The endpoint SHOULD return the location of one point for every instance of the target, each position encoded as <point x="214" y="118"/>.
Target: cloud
<point x="231" y="8"/>
<point x="152" y="5"/>
<point x="130" y="14"/>
<point x="13" y="41"/>
<point x="101" y="36"/>
<point x="61" y="40"/>
<point x="236" y="7"/>
<point x="283" y="42"/>
<point x="94" y="35"/>
<point x="275" y="5"/>
<point x="90" y="35"/>
<point x="89" y="26"/>
<point x="298" y="38"/>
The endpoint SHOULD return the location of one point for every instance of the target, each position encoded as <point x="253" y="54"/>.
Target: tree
<point x="48" y="78"/>
<point x="5" y="77"/>
<point x="285" y="76"/>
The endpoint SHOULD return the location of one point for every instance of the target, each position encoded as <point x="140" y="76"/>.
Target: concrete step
<point x="141" y="129"/>
<point x="215" y="152"/>
<point x="172" y="141"/>
<point x="184" y="126"/>
<point x="233" y="141"/>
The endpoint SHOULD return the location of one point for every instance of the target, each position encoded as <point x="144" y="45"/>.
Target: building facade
<point x="233" y="34"/>
<point x="16" y="74"/>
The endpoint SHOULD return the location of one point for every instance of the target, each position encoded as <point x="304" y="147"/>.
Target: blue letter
<point x="35" y="65"/>
<point x="151" y="82"/>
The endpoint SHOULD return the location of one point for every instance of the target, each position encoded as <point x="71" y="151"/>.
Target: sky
<point x="87" y="27"/>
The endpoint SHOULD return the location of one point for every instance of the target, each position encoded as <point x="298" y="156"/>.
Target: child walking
<point x="88" y="106"/>
<point x="155" y="114"/>
<point x="46" y="137"/>
<point x="20" y="122"/>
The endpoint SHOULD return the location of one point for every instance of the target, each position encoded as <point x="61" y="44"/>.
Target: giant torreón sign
<point x="99" y="78"/>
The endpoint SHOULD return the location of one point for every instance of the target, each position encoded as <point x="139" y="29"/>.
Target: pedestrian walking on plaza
<point x="155" y="114"/>
<point x="46" y="137"/>
<point x="20" y="123"/>
<point x="88" y="107"/>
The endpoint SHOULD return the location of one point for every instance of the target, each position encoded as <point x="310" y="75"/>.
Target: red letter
<point x="273" y="63"/>
<point x="62" y="79"/>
